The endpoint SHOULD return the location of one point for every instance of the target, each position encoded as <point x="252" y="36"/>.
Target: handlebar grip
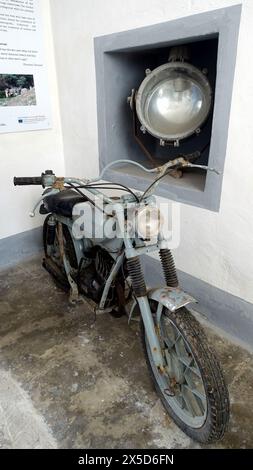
<point x="27" y="180"/>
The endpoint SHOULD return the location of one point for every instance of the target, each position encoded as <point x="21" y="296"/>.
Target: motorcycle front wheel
<point x="192" y="390"/>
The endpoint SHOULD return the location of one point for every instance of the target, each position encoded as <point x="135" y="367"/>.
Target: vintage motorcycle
<point x="86" y="258"/>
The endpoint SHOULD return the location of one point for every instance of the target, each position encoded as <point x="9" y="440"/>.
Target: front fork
<point x="140" y="291"/>
<point x="151" y="332"/>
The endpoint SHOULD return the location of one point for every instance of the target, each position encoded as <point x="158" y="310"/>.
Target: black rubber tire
<point x="216" y="390"/>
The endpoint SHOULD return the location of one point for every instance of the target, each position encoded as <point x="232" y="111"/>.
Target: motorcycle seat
<point x="62" y="203"/>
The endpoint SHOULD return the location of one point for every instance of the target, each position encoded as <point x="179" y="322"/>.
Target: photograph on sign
<point x="17" y="90"/>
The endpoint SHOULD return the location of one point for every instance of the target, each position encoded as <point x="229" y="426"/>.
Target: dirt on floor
<point x="69" y="382"/>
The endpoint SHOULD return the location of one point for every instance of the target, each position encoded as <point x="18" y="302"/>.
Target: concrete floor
<point x="69" y="383"/>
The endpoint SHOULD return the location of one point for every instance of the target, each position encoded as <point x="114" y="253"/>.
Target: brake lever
<point x="54" y="191"/>
<point x="202" y="167"/>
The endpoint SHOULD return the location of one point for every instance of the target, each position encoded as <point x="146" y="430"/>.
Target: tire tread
<point x="216" y="390"/>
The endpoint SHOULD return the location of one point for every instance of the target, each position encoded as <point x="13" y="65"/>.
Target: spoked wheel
<point x="192" y="390"/>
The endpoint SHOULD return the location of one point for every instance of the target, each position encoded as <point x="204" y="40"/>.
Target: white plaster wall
<point x="217" y="248"/>
<point x="30" y="153"/>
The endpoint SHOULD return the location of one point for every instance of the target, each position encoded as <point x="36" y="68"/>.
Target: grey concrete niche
<point x="121" y="61"/>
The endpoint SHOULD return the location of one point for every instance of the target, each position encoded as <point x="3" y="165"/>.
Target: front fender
<point x="170" y="297"/>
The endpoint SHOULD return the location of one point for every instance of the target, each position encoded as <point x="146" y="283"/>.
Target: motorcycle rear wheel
<point x="200" y="405"/>
<point x="53" y="253"/>
<point x="68" y="243"/>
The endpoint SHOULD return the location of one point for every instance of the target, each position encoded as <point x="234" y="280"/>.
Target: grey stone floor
<point x="69" y="383"/>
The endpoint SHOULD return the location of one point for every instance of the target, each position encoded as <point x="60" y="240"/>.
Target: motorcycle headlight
<point x="148" y="222"/>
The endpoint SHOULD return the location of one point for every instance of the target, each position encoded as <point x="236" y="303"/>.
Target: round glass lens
<point x="175" y="106"/>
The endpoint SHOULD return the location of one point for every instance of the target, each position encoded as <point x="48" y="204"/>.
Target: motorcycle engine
<point x="92" y="276"/>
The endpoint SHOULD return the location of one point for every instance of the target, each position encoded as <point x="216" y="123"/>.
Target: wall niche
<point x="121" y="62"/>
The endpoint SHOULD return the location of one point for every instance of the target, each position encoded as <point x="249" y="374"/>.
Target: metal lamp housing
<point x="173" y="101"/>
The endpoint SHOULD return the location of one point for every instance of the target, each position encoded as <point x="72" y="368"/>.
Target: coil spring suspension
<point x="169" y="268"/>
<point x="51" y="231"/>
<point x="137" y="277"/>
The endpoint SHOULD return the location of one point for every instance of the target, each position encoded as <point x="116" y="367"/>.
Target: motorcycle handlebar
<point x="27" y="180"/>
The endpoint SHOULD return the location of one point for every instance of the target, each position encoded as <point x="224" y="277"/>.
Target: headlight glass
<point x="173" y="101"/>
<point x="175" y="104"/>
<point x="149" y="222"/>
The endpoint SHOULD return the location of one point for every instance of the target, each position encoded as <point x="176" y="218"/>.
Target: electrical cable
<point x="109" y="186"/>
<point x="157" y="179"/>
<point x="81" y="194"/>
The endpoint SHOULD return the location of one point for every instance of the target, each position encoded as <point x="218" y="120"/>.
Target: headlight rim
<point x="191" y="72"/>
